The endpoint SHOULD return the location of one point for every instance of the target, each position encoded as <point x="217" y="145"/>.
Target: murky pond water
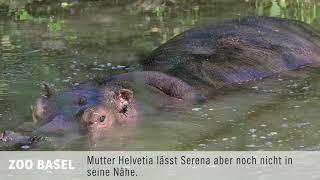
<point x="63" y="43"/>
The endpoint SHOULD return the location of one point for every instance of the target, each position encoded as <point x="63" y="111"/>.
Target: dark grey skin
<point x="236" y="51"/>
<point x="187" y="69"/>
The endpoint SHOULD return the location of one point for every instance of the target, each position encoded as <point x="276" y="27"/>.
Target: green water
<point x="63" y="43"/>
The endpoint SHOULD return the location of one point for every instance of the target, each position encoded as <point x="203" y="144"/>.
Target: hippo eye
<point x="82" y="101"/>
<point x="124" y="109"/>
<point x="102" y="118"/>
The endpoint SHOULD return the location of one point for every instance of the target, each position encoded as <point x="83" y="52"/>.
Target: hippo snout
<point x="99" y="117"/>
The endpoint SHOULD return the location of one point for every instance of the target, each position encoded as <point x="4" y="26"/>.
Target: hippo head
<point x="117" y="108"/>
<point x="108" y="104"/>
<point x="68" y="103"/>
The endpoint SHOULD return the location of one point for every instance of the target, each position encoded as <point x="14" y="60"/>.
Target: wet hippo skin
<point x="186" y="69"/>
<point x="236" y="51"/>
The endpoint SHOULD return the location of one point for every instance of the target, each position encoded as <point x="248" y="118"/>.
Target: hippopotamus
<point x="188" y="69"/>
<point x="236" y="51"/>
<point x="102" y="104"/>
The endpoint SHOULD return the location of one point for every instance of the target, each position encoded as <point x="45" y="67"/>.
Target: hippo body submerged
<point x="236" y="51"/>
<point x="185" y="70"/>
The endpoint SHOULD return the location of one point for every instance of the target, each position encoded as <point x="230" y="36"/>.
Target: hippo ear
<point x="125" y="96"/>
<point x="47" y="91"/>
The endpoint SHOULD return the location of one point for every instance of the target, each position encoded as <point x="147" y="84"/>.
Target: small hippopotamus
<point x="187" y="69"/>
<point x="115" y="101"/>
<point x="115" y="94"/>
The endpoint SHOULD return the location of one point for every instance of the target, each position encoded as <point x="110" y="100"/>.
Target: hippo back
<point x="236" y="51"/>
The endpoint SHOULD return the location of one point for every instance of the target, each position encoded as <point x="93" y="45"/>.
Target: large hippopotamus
<point x="187" y="69"/>
<point x="236" y="51"/>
